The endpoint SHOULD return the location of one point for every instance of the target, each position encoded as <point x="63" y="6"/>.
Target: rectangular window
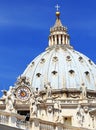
<point x="67" y="120"/>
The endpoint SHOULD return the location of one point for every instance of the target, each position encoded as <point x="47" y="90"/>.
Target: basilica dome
<point x="60" y="65"/>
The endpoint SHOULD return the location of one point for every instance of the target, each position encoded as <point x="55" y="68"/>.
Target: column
<point x="12" y="121"/>
<point x="55" y="40"/>
<point x="66" y="39"/>
<point x="35" y="124"/>
<point x="59" y="39"/>
<point x="63" y="39"/>
<point x="51" y="40"/>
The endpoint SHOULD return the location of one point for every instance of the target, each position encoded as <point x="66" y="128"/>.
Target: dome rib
<point x="90" y="68"/>
<point x="49" y="66"/>
<point x="76" y="64"/>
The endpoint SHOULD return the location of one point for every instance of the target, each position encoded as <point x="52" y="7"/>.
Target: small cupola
<point x="58" y="33"/>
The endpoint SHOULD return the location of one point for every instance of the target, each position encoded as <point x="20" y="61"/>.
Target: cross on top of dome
<point x="57" y="7"/>
<point x="57" y="12"/>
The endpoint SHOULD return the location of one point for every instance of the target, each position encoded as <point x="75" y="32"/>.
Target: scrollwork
<point x="74" y="95"/>
<point x="22" y="81"/>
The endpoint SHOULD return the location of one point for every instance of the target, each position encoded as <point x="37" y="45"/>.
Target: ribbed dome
<point x="63" y="67"/>
<point x="60" y="64"/>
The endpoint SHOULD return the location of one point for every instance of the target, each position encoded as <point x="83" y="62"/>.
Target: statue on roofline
<point x="48" y="89"/>
<point x="9" y="98"/>
<point x="35" y="100"/>
<point x="80" y="115"/>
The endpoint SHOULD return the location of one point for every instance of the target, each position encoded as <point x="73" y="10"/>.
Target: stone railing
<point x="23" y="125"/>
<point x="77" y="101"/>
<point x="69" y="101"/>
<point x="17" y="121"/>
<point x="12" y="119"/>
<point x="39" y="124"/>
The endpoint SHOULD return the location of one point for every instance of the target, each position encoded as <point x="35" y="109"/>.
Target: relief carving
<point x="74" y="95"/>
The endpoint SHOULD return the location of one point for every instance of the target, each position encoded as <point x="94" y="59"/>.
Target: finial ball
<point x="57" y="13"/>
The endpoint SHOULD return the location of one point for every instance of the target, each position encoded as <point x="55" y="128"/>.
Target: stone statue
<point x="84" y="91"/>
<point x="4" y="95"/>
<point x="9" y="103"/>
<point x="36" y="93"/>
<point x="60" y="117"/>
<point x="33" y="106"/>
<point x="9" y="98"/>
<point x="48" y="90"/>
<point x="35" y="100"/>
<point x="57" y="112"/>
<point x="80" y="115"/>
<point x="34" y="109"/>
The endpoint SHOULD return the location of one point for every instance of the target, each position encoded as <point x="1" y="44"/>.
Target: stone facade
<point x="53" y="93"/>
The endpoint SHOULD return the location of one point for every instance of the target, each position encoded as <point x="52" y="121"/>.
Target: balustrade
<point x="18" y="121"/>
<point x="69" y="101"/>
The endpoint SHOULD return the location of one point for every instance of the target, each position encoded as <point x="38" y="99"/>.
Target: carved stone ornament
<point x="91" y="96"/>
<point x="22" y="81"/>
<point x="86" y="109"/>
<point x="73" y="95"/>
<point x="50" y="109"/>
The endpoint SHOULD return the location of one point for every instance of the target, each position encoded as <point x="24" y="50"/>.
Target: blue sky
<point x="24" y="30"/>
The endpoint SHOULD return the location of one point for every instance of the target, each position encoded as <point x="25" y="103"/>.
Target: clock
<point x="23" y="93"/>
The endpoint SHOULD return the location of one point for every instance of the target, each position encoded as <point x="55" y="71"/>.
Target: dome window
<point x="71" y="72"/>
<point x="55" y="58"/>
<point x="54" y="72"/>
<point x="87" y="73"/>
<point x="90" y="62"/>
<point x="42" y="60"/>
<point x="33" y="63"/>
<point x="68" y="58"/>
<point x="38" y="75"/>
<point x="80" y="59"/>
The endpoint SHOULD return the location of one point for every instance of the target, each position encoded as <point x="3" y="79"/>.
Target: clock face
<point x="23" y="93"/>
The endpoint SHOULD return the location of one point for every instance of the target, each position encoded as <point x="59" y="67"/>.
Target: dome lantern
<point x="58" y="33"/>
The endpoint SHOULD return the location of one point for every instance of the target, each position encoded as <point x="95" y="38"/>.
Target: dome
<point x="63" y="67"/>
<point x="60" y="65"/>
